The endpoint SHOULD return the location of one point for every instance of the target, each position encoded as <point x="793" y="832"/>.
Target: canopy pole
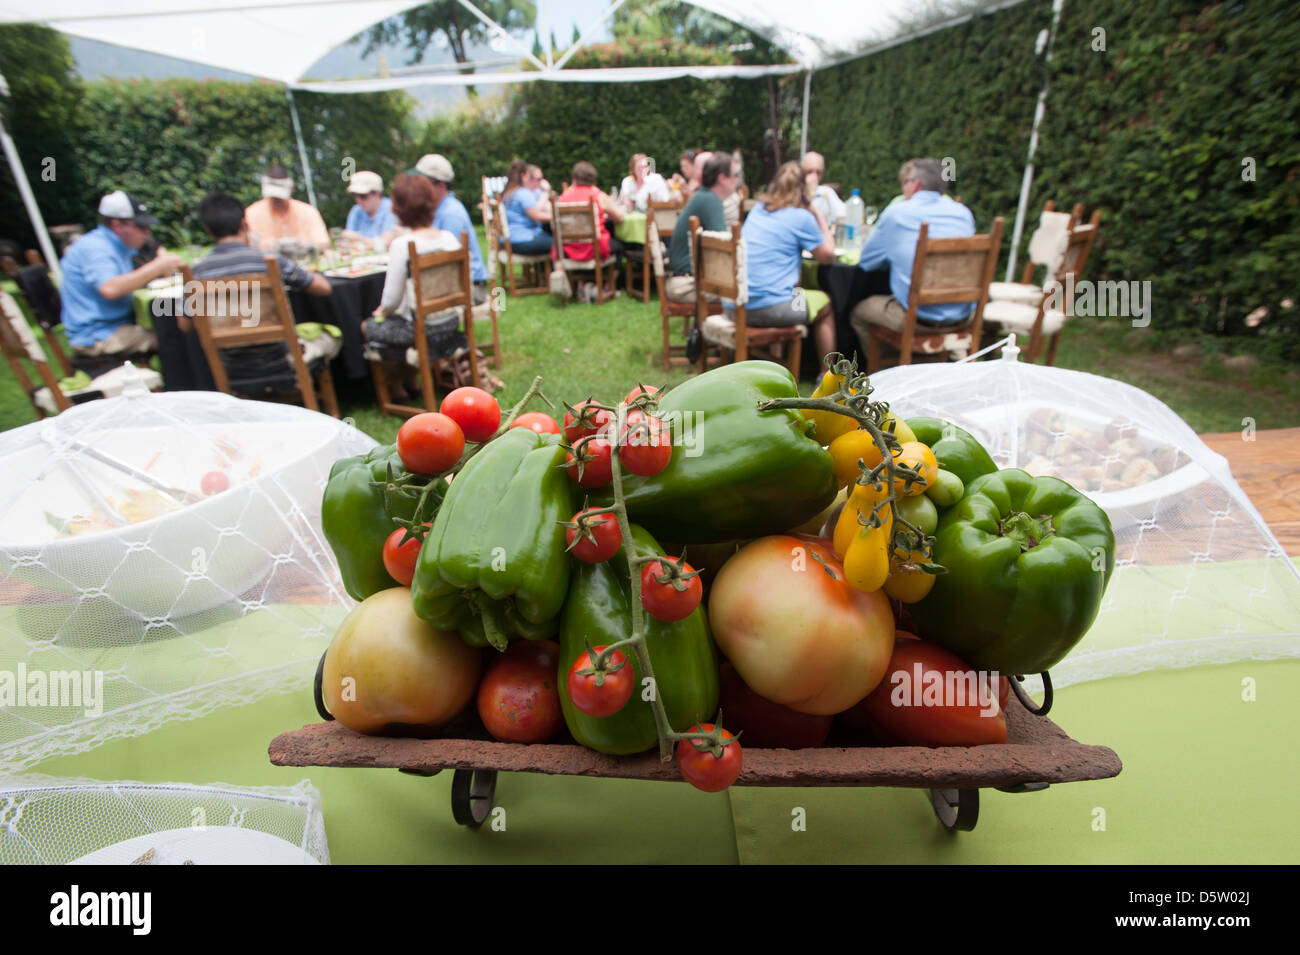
<point x="1028" y="180"/>
<point x="302" y="148"/>
<point x="803" y="133"/>
<point x="25" y="190"/>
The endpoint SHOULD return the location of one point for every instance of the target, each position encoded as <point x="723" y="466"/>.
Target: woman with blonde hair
<point x="640" y="185"/>
<point x="776" y="232"/>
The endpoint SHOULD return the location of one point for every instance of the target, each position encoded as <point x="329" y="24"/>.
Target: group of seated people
<point x="793" y="215"/>
<point x="103" y="268"/>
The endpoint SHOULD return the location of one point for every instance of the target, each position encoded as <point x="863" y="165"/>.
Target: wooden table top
<point x="1268" y="470"/>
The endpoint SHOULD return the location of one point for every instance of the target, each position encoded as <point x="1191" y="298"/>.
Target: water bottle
<point x="853" y="215"/>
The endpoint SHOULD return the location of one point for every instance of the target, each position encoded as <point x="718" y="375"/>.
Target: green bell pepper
<point x="354" y="521"/>
<point x="685" y="660"/>
<point x="736" y="472"/>
<point x="956" y="450"/>
<point x="493" y="566"/>
<point x="1028" y="560"/>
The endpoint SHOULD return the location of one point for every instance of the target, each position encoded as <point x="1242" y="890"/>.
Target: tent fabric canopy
<point x="281" y="39"/>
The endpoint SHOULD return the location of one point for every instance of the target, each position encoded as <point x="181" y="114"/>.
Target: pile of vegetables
<point x="726" y="550"/>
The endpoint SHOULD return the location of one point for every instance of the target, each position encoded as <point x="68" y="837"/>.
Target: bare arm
<point x="320" y="285"/>
<point x="824" y="253"/>
<point x="119" y="286"/>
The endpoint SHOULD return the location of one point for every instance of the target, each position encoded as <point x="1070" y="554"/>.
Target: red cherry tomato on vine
<point x="597" y="466"/>
<point x="476" y="411"/>
<point x="646" y="447"/>
<point x="574" y="429"/>
<point x="538" y="421"/>
<point x="613" y="692"/>
<point x="399" y="558"/>
<point x="640" y="390"/>
<point x="705" y="771"/>
<point x="664" y="601"/>
<point x="608" y="539"/>
<point x="430" y="443"/>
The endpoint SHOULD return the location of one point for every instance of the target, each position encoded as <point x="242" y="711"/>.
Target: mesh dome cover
<point x="1198" y="579"/>
<point x="160" y="557"/>
<point x="56" y="821"/>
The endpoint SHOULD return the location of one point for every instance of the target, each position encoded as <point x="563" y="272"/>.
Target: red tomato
<point x="399" y="559"/>
<point x="537" y="421"/>
<point x="799" y="635"/>
<point x="705" y="771"/>
<point x="518" y="700"/>
<point x="665" y="602"/>
<point x="763" y="722"/>
<point x="646" y="446"/>
<point x="430" y="443"/>
<point x="214" y="482"/>
<point x="613" y="692"/>
<point x="608" y="538"/>
<point x="597" y="468"/>
<point x="586" y="422"/>
<point x="476" y="411"/>
<point x="640" y="390"/>
<point x="931" y="698"/>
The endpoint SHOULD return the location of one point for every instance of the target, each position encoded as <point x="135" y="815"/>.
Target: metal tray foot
<point x="472" y="792"/>
<point x="957" y="809"/>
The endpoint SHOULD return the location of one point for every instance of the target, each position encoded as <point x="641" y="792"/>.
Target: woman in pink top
<point x="583" y="190"/>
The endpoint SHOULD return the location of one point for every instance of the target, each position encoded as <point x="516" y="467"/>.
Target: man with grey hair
<point x="892" y="245"/>
<point x="821" y="196"/>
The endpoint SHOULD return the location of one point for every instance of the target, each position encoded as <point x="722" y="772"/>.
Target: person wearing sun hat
<point x="278" y="216"/>
<point x="371" y="220"/>
<point x="452" y="216"/>
<point x="99" y="277"/>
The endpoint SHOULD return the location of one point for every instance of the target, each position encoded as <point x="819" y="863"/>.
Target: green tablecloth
<point x="631" y="229"/>
<point x="1207" y="778"/>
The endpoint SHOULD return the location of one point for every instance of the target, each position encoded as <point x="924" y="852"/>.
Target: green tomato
<point x="946" y="490"/>
<point x="919" y="510"/>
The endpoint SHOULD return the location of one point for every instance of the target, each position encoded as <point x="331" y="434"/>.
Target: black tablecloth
<point x="184" y="367"/>
<point x="846" y="285"/>
<point x="349" y="304"/>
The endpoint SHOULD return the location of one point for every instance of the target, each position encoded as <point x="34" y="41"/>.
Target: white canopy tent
<point x="281" y="39"/>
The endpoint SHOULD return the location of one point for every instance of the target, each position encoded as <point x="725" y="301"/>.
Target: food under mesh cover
<point x="1198" y="577"/>
<point x="160" y="557"/>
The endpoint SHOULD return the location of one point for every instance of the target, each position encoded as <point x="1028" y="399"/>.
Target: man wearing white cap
<point x="451" y="216"/>
<point x="372" y="217"/>
<point x="99" y="277"/>
<point x="278" y="216"/>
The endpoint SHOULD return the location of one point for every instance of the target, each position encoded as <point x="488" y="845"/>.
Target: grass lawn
<point x="604" y="350"/>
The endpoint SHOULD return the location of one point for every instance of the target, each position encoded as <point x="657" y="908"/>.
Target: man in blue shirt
<point x="372" y="217"/>
<point x="892" y="244"/>
<point x="99" y="277"/>
<point x="451" y="216"/>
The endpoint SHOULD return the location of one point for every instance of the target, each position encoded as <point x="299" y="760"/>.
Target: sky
<point x="97" y="60"/>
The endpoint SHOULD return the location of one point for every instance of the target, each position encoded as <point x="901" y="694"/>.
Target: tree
<point x="684" y="23"/>
<point x="449" y="19"/>
<point x="41" y="110"/>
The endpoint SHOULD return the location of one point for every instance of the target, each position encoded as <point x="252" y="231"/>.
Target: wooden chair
<point x="579" y="222"/>
<point x="944" y="271"/>
<point x="1038" y="319"/>
<point x="1046" y="250"/>
<point x="42" y="301"/>
<point x="663" y="214"/>
<point x="441" y="282"/>
<point x="718" y="271"/>
<point x="219" y="309"/>
<point x="536" y="268"/>
<point x="18" y="344"/>
<point x="673" y="354"/>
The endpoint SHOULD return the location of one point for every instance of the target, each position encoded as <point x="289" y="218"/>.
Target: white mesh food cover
<point x="56" y="821"/>
<point x="161" y="556"/>
<point x="1198" y="577"/>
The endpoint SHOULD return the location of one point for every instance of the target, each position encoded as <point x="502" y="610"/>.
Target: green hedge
<point x="170" y="142"/>
<point x="1152" y="130"/>
<point x="557" y="124"/>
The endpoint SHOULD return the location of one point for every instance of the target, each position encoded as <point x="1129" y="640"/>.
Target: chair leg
<point x="328" y="396"/>
<point x="796" y="356"/>
<point x="873" y="354"/>
<point x="668" y="362"/>
<point x="380" y="381"/>
<point x="1051" y="349"/>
